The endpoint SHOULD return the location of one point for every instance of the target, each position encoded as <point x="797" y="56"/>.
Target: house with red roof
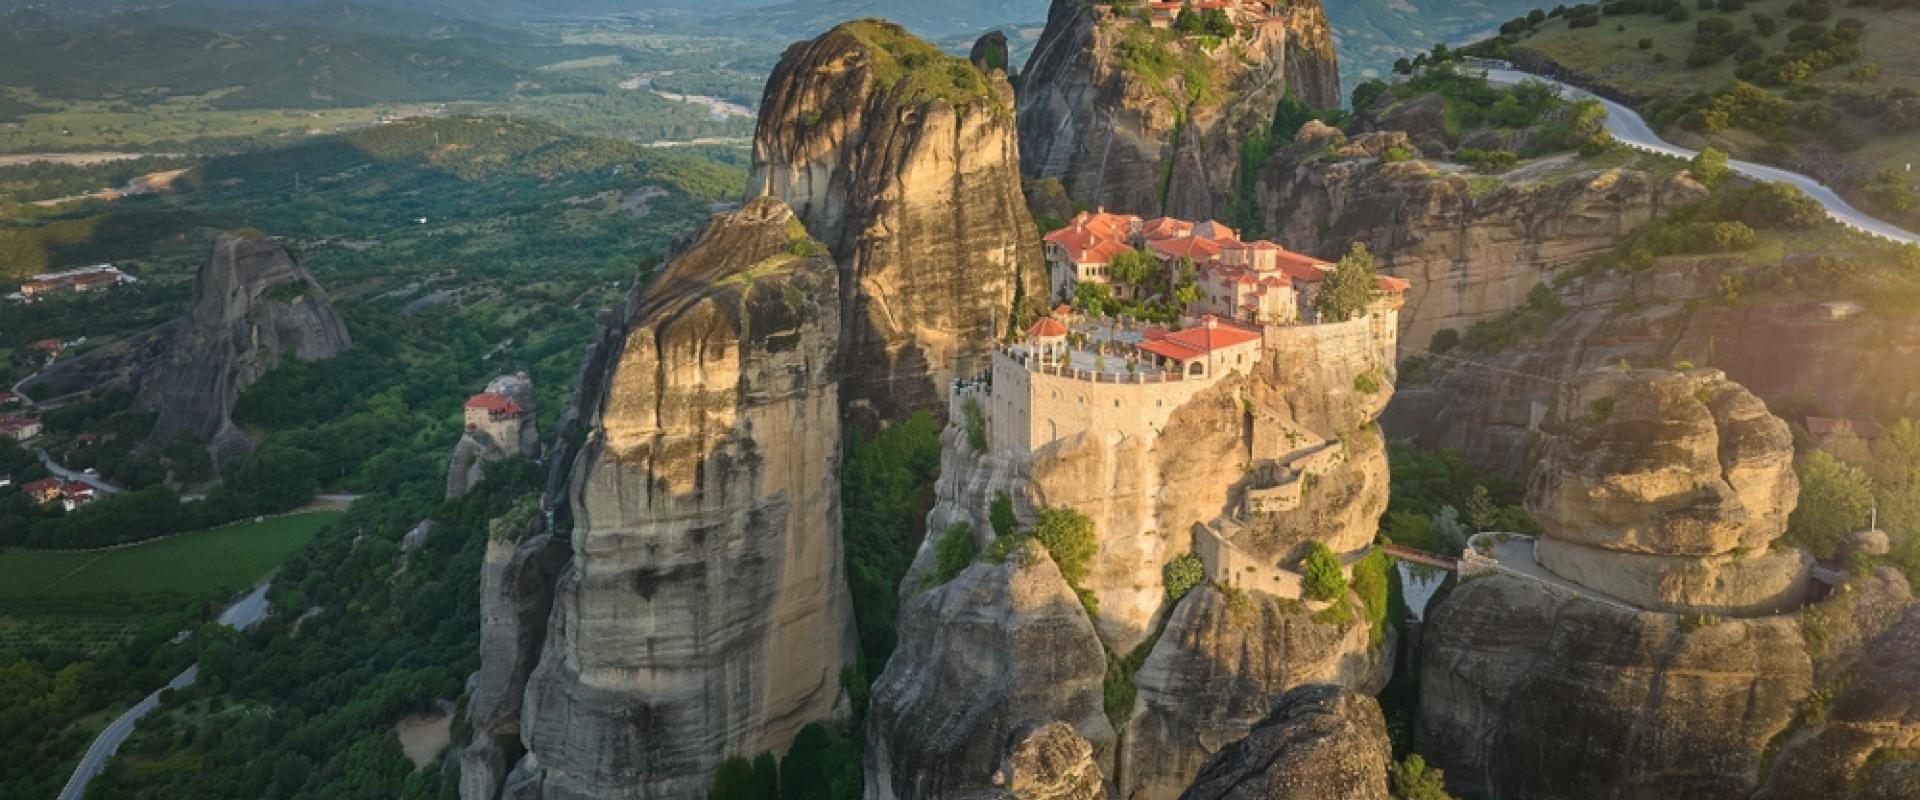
<point x="19" y="429"/>
<point x="11" y="398"/>
<point x="1080" y="251"/>
<point x="1210" y="349"/>
<point x="487" y="407"/>
<point x="51" y="347"/>
<point x="45" y="490"/>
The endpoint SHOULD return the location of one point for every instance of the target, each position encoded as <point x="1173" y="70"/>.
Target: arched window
<point x="1197" y="368"/>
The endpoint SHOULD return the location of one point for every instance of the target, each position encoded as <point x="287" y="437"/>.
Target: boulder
<point x="1321" y="742"/>
<point x="999" y="649"/>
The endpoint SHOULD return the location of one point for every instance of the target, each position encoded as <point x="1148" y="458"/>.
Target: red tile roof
<point x="1198" y="341"/>
<point x="49" y="345"/>
<point x="1062" y="310"/>
<point x="1388" y="283"/>
<point x="494" y="403"/>
<point x="43" y="485"/>
<point x="1166" y="228"/>
<point x="1046" y="326"/>
<point x="1192" y="247"/>
<point x="16" y="423"/>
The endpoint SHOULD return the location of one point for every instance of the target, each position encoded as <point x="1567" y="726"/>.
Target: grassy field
<point x="70" y="125"/>
<point x="89" y="599"/>
<point x="1845" y="150"/>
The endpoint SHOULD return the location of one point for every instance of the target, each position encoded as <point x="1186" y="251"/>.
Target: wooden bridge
<point x="1422" y="557"/>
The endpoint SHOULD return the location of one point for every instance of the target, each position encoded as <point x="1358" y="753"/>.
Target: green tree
<point x="1181" y="574"/>
<point x="1709" y="167"/>
<point x="951" y="553"/>
<point x="820" y="766"/>
<point x="1289" y="116"/>
<point x="1325" y="580"/>
<point x="1186" y="22"/>
<point x="1348" y="289"/>
<point x="1000" y="515"/>
<point x="1835" y="501"/>
<point x="1133" y="268"/>
<point x="1069" y="537"/>
<point x="1412" y="779"/>
<point x="736" y="780"/>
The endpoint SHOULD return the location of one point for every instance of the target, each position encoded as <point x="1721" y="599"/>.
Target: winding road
<point x="1629" y="128"/>
<point x="243" y="614"/>
<point x="98" y="483"/>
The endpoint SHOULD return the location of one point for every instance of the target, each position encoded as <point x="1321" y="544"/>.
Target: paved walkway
<point x="243" y="614"/>
<point x="1628" y="127"/>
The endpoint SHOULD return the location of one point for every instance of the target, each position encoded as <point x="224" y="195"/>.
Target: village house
<point x="73" y="281"/>
<point x="11" y="399"/>
<point x="45" y="490"/>
<point x="51" y="347"/>
<point x="74" y="494"/>
<point x="19" y="429"/>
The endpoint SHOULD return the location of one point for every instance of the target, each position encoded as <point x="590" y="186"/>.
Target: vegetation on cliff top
<point x="1810" y="84"/>
<point x="915" y="68"/>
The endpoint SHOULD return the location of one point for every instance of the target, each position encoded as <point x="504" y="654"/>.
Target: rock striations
<point x="1138" y="118"/>
<point x="1000" y="649"/>
<point x="253" y="305"/>
<point x="905" y="162"/>
<point x="1471" y="250"/>
<point x="704" y="611"/>
<point x="1658" y="491"/>
<point x="1321" y="742"/>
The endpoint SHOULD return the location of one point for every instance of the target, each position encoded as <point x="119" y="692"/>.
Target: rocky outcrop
<point x="490" y="439"/>
<point x="1472" y="246"/>
<point x="904" y="161"/>
<point x="998" y="650"/>
<point x="1660" y="491"/>
<point x="1321" y="742"/>
<point x="1150" y="143"/>
<point x="1666" y="489"/>
<point x="1052" y="762"/>
<point x="253" y="305"/>
<point x="1218" y="670"/>
<point x="1865" y="744"/>
<point x="1674" y="313"/>
<point x="516" y="597"/>
<point x="704" y="611"/>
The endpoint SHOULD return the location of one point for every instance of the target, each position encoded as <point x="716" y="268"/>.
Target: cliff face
<point x="1659" y="492"/>
<point x="999" y="649"/>
<point x="1669" y="314"/>
<point x="704" y="610"/>
<point x="904" y="161"/>
<point x="1218" y="670"/>
<point x="1148" y="143"/>
<point x="1321" y="742"/>
<point x="253" y="305"/>
<point x="1471" y="250"/>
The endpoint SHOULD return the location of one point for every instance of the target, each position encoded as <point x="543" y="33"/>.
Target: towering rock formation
<point x="1321" y="742"/>
<point x="1472" y="251"/>
<point x="1659" y="491"/>
<point x="704" y="610"/>
<point x="904" y="161"/>
<point x="1140" y="119"/>
<point x="253" y="305"/>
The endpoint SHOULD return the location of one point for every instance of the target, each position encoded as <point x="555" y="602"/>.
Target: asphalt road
<point x="1629" y="127"/>
<point x="54" y="467"/>
<point x="243" y="614"/>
